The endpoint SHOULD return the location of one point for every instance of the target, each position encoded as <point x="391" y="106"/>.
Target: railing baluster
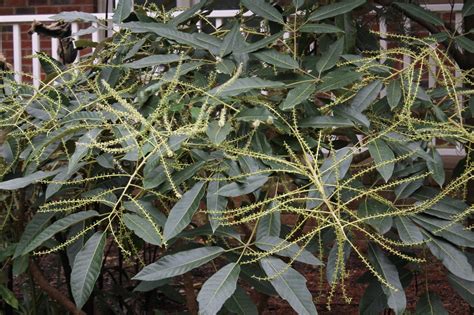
<point x="17" y="61"/>
<point x="75" y="29"/>
<point x="54" y="48"/>
<point x="36" y="48"/>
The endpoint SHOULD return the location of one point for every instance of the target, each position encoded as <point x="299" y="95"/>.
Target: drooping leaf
<point x="421" y="13"/>
<point x="187" y="14"/>
<point x="251" y="184"/>
<point x="451" y="257"/>
<point x="463" y="287"/>
<point x="277" y="59"/>
<point x="371" y="207"/>
<point x="468" y="8"/>
<point x="451" y="231"/>
<point x="86" y="268"/>
<point x="243" y="85"/>
<point x="381" y="153"/>
<point x="269" y="224"/>
<point x="181" y="176"/>
<point x="259" y="44"/>
<point x="374" y="300"/>
<point x="174" y="265"/>
<point x="290" y="285"/>
<point x="142" y="228"/>
<point x="394" y="93"/>
<point x="217" y="289"/>
<point x="82" y="147"/>
<point x="59" y="226"/>
<point x="216" y="133"/>
<point x="154" y="60"/>
<point x="122" y="11"/>
<point x="74" y="16"/>
<point x="182" y="212"/>
<point x="408" y="232"/>
<point x="330" y="57"/>
<point x="436" y="167"/>
<point x="240" y="303"/>
<point x="253" y="114"/>
<point x="36" y="225"/>
<point x="284" y="248"/>
<point x="430" y="304"/>
<point x="366" y="96"/>
<point x="263" y="9"/>
<point x="337" y="79"/>
<point x="334" y="9"/>
<point x="333" y="271"/>
<point x="320" y="28"/>
<point x="8" y="296"/>
<point x="231" y="40"/>
<point x="297" y="95"/>
<point x="396" y="299"/>
<point x="22" y="182"/>
<point x="215" y="202"/>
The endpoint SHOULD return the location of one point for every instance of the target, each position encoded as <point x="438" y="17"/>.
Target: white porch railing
<point x="217" y="16"/>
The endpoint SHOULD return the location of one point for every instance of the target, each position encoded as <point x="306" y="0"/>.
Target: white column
<point x="17" y="56"/>
<point x="35" y="48"/>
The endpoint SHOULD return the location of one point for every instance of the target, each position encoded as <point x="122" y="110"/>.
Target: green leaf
<point x="465" y="43"/>
<point x="251" y="184"/>
<point x="430" y="304"/>
<point x="217" y="289"/>
<point x="396" y="298"/>
<point x="463" y="287"/>
<point x="371" y="207"/>
<point x="215" y="202"/>
<point x="123" y="10"/>
<point x="468" y="8"/>
<point x="259" y="44"/>
<point x="231" y="41"/>
<point x="449" y="230"/>
<point x="86" y="268"/>
<point x="325" y="122"/>
<point x="290" y="285"/>
<point x="381" y="153"/>
<point x="269" y="224"/>
<point x="338" y="79"/>
<point x="22" y="182"/>
<point x="298" y="3"/>
<point x="253" y="114"/>
<point x="142" y="228"/>
<point x="277" y="59"/>
<point x="146" y="286"/>
<point x="263" y="9"/>
<point x="330" y="57"/>
<point x="240" y="303"/>
<point x="243" y="85"/>
<point x="216" y="133"/>
<point x="334" y="9"/>
<point x="374" y="300"/>
<point x="284" y="248"/>
<point x="408" y="231"/>
<point x="394" y="93"/>
<point x="320" y="28"/>
<point x="154" y="60"/>
<point x="82" y="147"/>
<point x="366" y="96"/>
<point x="177" y="264"/>
<point x="421" y="13"/>
<point x="181" y="176"/>
<point x="74" y="16"/>
<point x="297" y="95"/>
<point x="184" y="16"/>
<point x="8" y="297"/>
<point x="36" y="225"/>
<point x="446" y="208"/>
<point x="182" y="212"/>
<point x="451" y="257"/>
<point x="436" y="167"/>
<point x="58" y="226"/>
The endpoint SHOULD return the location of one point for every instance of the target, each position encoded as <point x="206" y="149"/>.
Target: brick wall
<point x="29" y="7"/>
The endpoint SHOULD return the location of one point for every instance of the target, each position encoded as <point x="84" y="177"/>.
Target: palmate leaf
<point x="217" y="289"/>
<point x="59" y="226"/>
<point x="179" y="263"/>
<point x="334" y="9"/>
<point x="396" y="299"/>
<point x="182" y="212"/>
<point x="381" y="153"/>
<point x="86" y="268"/>
<point x="290" y="285"/>
<point x="263" y="9"/>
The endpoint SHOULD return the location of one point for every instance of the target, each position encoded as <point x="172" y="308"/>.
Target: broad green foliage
<point x="240" y="153"/>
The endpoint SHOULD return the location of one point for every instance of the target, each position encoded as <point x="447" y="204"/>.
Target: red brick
<point x="16" y="3"/>
<point x="6" y="11"/>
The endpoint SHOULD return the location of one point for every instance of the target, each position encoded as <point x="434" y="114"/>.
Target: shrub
<point x="245" y="152"/>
